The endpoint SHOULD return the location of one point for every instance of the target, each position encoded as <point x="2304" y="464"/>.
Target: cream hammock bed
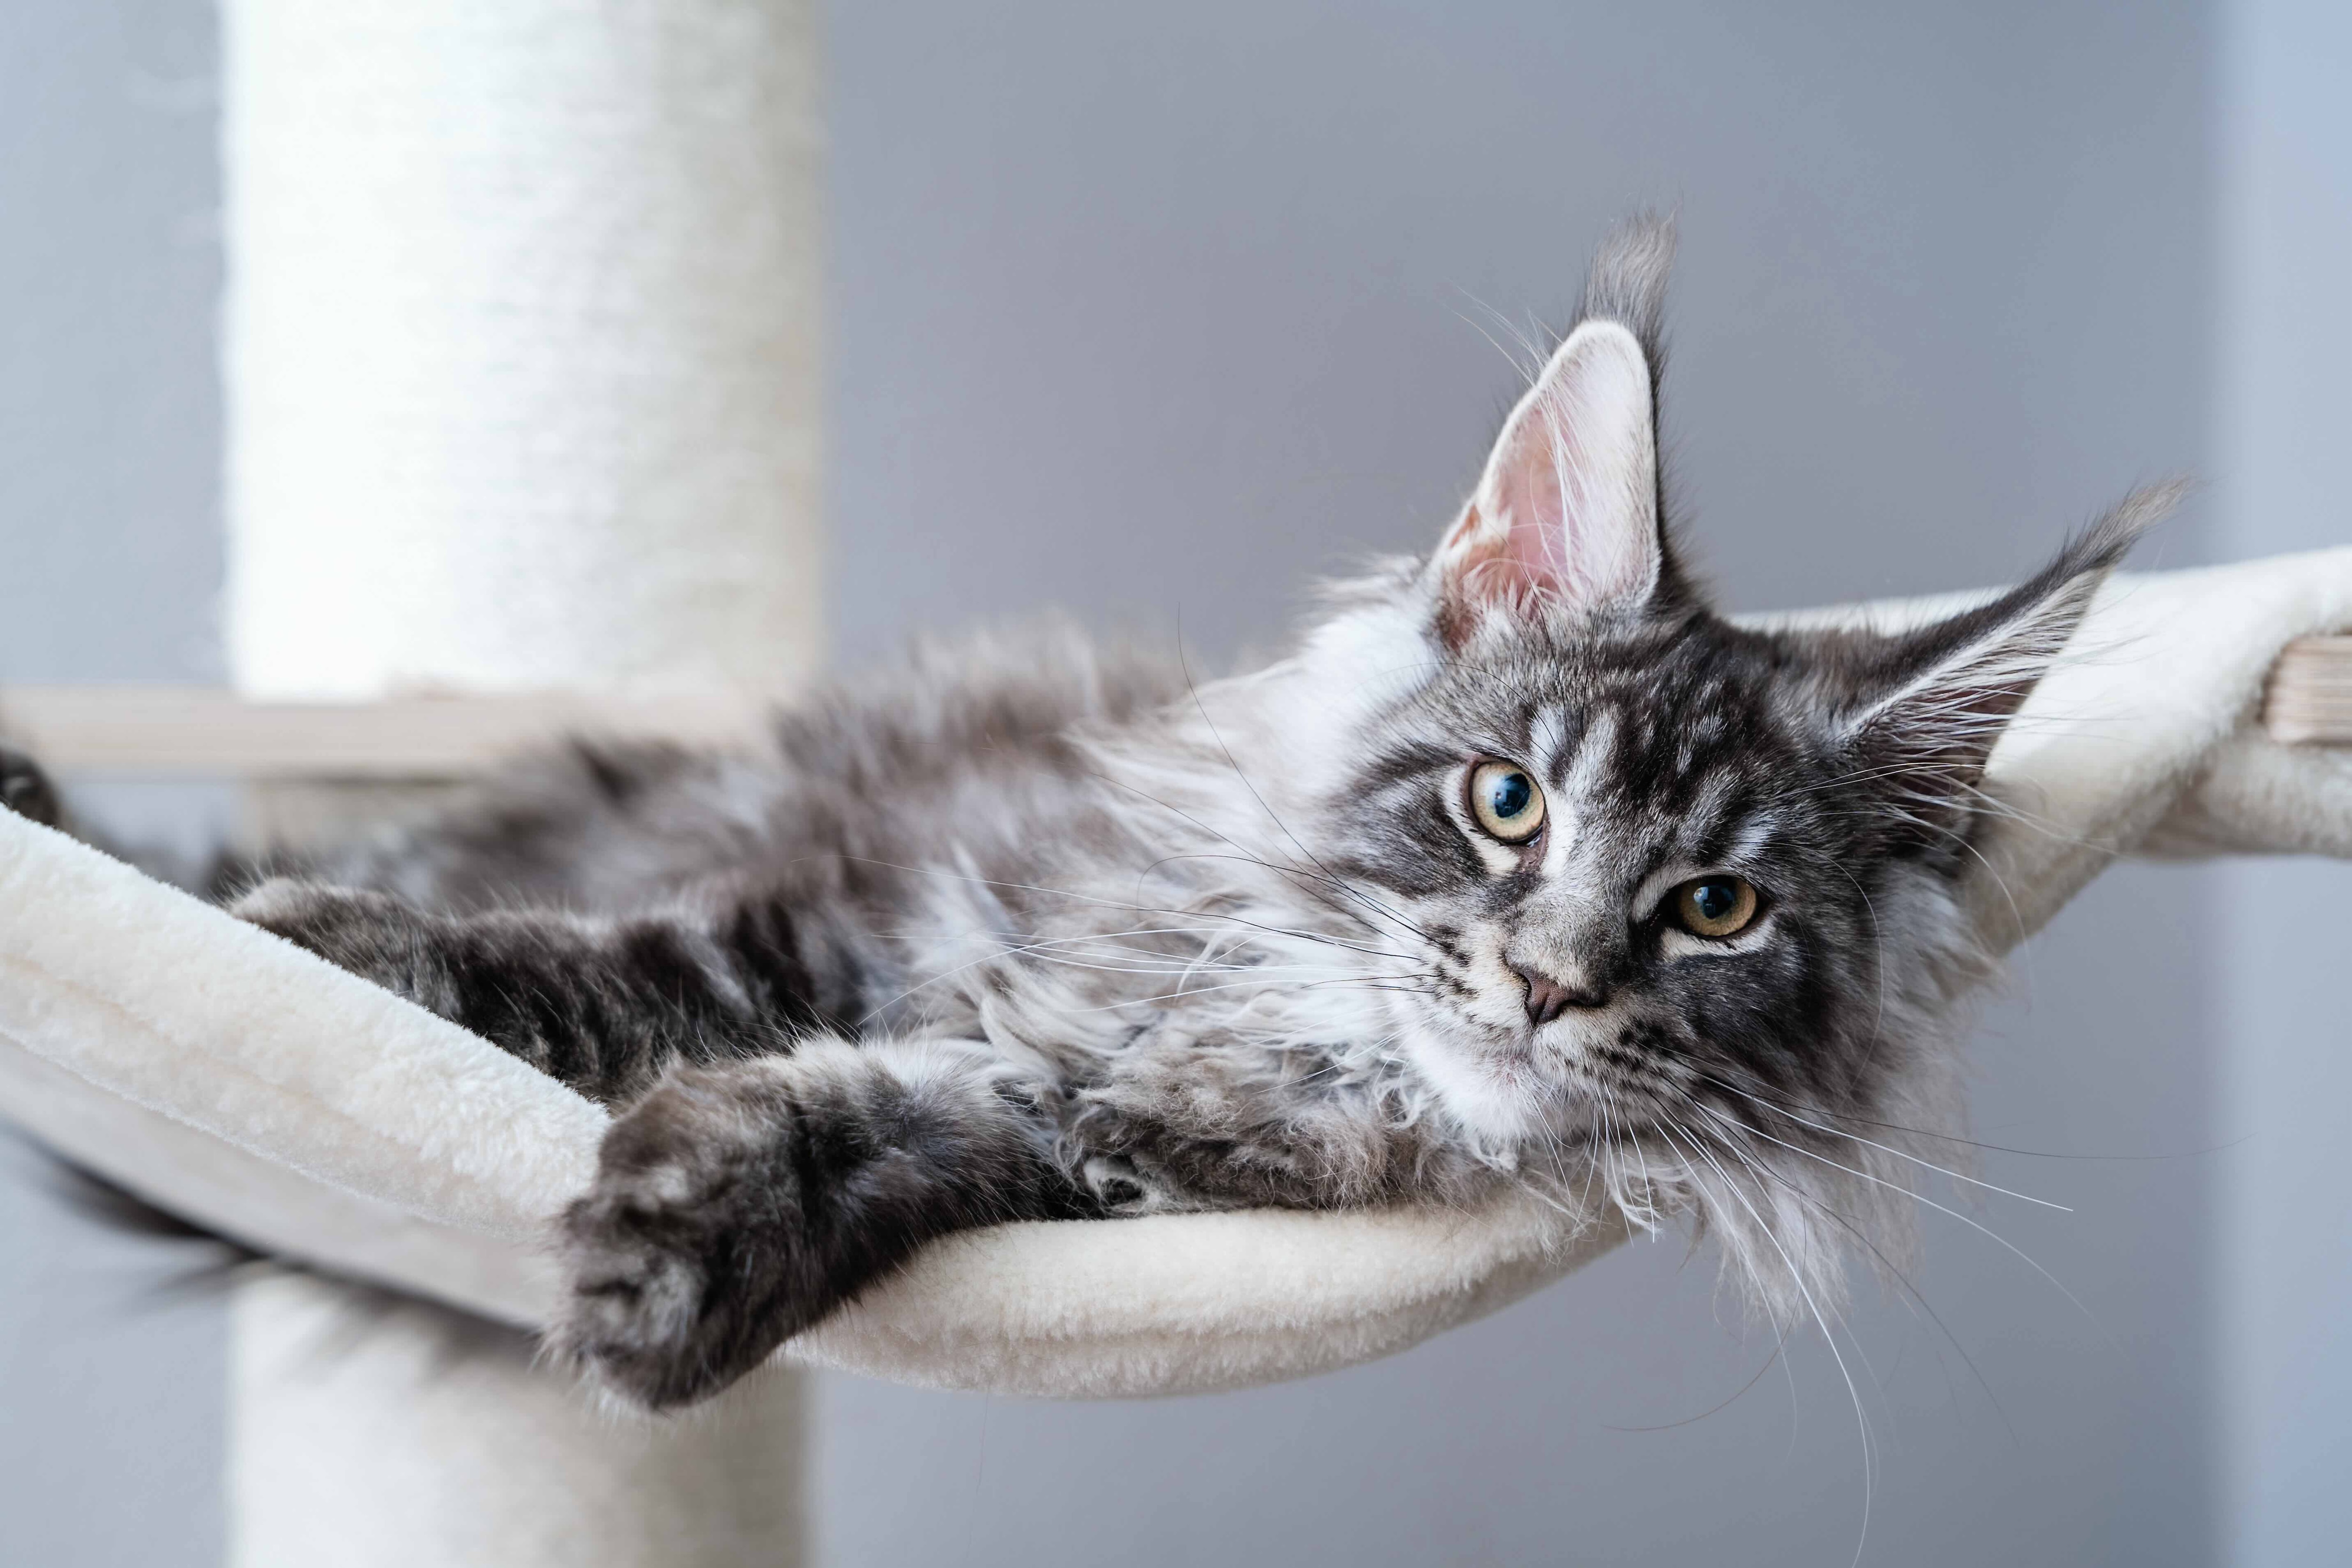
<point x="230" y="1077"/>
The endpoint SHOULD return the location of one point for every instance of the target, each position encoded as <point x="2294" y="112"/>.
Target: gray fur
<point x="1020" y="929"/>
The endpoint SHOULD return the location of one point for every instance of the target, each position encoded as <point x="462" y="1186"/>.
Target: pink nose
<point x="1549" y="998"/>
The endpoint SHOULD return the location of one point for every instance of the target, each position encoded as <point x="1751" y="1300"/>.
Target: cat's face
<point x="1639" y="870"/>
<point x="1632" y="866"/>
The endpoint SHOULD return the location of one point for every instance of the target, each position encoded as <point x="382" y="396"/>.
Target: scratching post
<point x="362" y="1427"/>
<point x="520" y="344"/>
<point x="521" y="354"/>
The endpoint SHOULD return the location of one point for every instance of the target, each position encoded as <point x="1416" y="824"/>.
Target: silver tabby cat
<point x="1524" y="867"/>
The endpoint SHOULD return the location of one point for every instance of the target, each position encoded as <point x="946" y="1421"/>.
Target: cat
<point x="1523" y="866"/>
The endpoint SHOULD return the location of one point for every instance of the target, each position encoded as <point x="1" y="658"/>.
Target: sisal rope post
<point x="521" y="351"/>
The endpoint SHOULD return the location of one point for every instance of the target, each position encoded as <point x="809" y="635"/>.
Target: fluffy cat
<point x="1523" y="866"/>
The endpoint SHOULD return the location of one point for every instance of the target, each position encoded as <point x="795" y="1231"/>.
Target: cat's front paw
<point x="690" y="1259"/>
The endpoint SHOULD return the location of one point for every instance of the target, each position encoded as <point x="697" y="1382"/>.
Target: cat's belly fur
<point x="858" y="821"/>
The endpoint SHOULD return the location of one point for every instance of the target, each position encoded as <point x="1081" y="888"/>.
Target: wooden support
<point x="197" y="731"/>
<point x="201" y="732"/>
<point x="2309" y="699"/>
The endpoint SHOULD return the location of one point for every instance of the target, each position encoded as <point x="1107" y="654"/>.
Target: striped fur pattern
<point x="1020" y="929"/>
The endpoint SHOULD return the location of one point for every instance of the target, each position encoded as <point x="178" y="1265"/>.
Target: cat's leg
<point x="1205" y="1121"/>
<point x="738" y="1204"/>
<point x="604" y="1004"/>
<point x="26" y="789"/>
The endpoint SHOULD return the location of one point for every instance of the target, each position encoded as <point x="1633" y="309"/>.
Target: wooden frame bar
<point x="2309" y="701"/>
<point x="200" y="731"/>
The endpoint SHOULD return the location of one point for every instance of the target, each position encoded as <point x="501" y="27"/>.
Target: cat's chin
<point x="1491" y="1091"/>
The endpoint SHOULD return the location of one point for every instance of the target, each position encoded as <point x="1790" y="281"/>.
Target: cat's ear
<point x="1567" y="509"/>
<point x="1930" y="712"/>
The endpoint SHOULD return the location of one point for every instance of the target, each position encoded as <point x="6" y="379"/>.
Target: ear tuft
<point x="1947" y="691"/>
<point x="1627" y="283"/>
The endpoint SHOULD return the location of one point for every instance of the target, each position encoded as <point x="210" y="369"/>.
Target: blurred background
<point x="1155" y="313"/>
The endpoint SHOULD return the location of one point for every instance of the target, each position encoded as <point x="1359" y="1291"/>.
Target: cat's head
<point x="1660" y="883"/>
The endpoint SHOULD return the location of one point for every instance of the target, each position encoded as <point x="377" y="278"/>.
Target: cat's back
<point x="951" y="751"/>
<point x="999" y="699"/>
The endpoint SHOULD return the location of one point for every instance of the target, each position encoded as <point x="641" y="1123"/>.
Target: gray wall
<point x="110" y="1383"/>
<point x="1157" y="312"/>
<point x="2285" y="469"/>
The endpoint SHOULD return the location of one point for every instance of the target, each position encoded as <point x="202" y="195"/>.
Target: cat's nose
<point x="1549" y="998"/>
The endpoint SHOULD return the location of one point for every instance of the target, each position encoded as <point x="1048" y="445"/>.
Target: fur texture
<point x="1019" y="930"/>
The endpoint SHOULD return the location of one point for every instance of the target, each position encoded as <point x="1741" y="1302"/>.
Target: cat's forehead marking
<point x="1548" y="730"/>
<point x="1755" y="833"/>
<point x="1708" y="826"/>
<point x="1729" y="827"/>
<point x="1589" y="759"/>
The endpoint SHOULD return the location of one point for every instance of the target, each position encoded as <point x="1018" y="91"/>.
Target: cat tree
<point x="521" y="356"/>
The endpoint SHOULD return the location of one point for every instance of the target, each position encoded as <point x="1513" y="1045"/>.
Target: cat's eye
<point x="1716" y="907"/>
<point x="1505" y="802"/>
